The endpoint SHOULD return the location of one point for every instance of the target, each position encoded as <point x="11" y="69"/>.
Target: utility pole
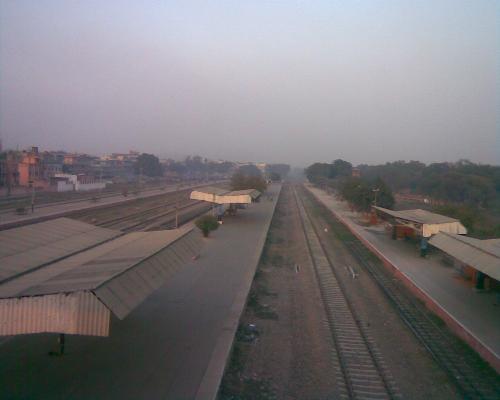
<point x="100" y="183"/>
<point x="140" y="179"/>
<point x="32" y="183"/>
<point x="376" y="190"/>
<point x="177" y="207"/>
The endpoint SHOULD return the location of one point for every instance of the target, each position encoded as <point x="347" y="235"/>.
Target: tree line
<point x="466" y="190"/>
<point x="360" y="192"/>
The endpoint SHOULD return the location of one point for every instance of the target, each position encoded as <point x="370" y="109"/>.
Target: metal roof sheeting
<point x="418" y="215"/>
<point x="428" y="223"/>
<point x="221" y="196"/>
<point x="118" y="274"/>
<point x="126" y="290"/>
<point x="29" y="247"/>
<point x="483" y="255"/>
<point x="76" y="313"/>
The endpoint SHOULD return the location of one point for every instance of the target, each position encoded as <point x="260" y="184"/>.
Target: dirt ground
<point x="284" y="348"/>
<point x="291" y="355"/>
<point x="413" y="369"/>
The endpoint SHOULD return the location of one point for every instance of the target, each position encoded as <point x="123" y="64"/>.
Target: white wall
<point x="65" y="186"/>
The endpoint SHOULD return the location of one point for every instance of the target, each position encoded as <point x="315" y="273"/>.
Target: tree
<point x="317" y="171"/>
<point x="207" y="224"/>
<point x="249" y="170"/>
<point x="241" y="180"/>
<point x="361" y="193"/>
<point x="383" y="194"/>
<point x="149" y="165"/>
<point x="340" y="168"/>
<point x="277" y="169"/>
<point x="275" y="177"/>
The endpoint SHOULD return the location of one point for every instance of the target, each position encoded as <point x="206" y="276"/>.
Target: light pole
<point x="177" y="207"/>
<point x="32" y="183"/>
<point x="376" y="190"/>
<point x="100" y="183"/>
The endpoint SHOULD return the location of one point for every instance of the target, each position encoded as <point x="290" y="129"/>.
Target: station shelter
<point x="225" y="201"/>
<point x="419" y="224"/>
<point x="477" y="260"/>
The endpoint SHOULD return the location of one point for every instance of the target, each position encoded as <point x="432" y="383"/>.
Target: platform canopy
<point x="222" y="196"/>
<point x="77" y="294"/>
<point x="483" y="255"/>
<point x="426" y="223"/>
<point x="29" y="247"/>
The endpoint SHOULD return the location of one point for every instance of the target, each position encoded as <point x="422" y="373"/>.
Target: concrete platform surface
<point x="173" y="346"/>
<point x="48" y="211"/>
<point x="476" y="312"/>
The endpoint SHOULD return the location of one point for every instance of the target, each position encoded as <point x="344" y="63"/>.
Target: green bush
<point x="207" y="224"/>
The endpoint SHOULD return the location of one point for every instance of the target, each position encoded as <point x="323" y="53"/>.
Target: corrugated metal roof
<point x="483" y="255"/>
<point x="127" y="289"/>
<point x="418" y="215"/>
<point x="75" y="313"/>
<point x="220" y="196"/>
<point x="119" y="274"/>
<point x="29" y="247"/>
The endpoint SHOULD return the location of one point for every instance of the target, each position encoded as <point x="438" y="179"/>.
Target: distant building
<point x="9" y="175"/>
<point x="261" y="166"/>
<point x="356" y="173"/>
<point x="79" y="183"/>
<point x="30" y="168"/>
<point x="118" y="165"/>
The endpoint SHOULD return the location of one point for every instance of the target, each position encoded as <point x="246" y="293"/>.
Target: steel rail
<point x="471" y="380"/>
<point x="362" y="368"/>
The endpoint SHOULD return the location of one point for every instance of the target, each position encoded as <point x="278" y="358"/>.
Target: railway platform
<point x="175" y="345"/>
<point x="473" y="316"/>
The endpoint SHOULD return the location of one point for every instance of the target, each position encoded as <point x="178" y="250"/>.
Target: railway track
<point x="465" y="368"/>
<point x="462" y="370"/>
<point x="152" y="218"/>
<point x="8" y="206"/>
<point x="158" y="212"/>
<point x="362" y="373"/>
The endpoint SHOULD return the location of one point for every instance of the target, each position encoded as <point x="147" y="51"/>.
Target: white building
<point x="79" y="183"/>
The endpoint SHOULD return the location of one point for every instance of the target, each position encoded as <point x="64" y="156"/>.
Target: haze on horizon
<point x="282" y="81"/>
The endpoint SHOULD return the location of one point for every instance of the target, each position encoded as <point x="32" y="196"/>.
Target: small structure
<point x="76" y="182"/>
<point x="67" y="277"/>
<point x="478" y="260"/>
<point x="423" y="223"/>
<point x="222" y="196"/>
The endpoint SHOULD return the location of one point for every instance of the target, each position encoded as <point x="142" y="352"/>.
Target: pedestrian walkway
<point x="173" y="346"/>
<point x="476" y="312"/>
<point x="61" y="209"/>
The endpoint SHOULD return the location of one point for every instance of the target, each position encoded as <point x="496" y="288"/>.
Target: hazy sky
<point x="293" y="81"/>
